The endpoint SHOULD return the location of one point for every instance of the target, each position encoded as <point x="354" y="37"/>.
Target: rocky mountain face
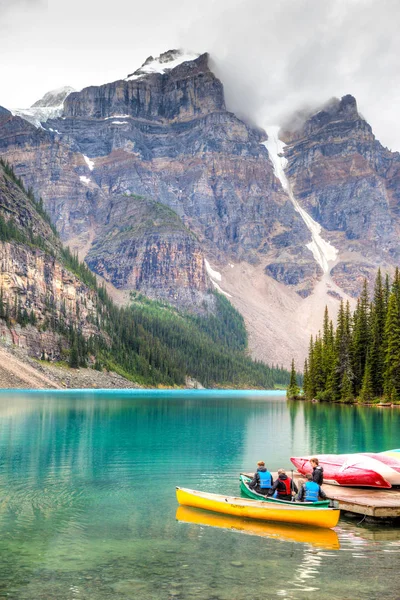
<point x="168" y="137"/>
<point x="144" y="246"/>
<point x="350" y="184"/>
<point x="34" y="281"/>
<point x="150" y="175"/>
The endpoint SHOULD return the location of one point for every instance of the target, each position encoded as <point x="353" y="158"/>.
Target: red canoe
<point x="366" y="470"/>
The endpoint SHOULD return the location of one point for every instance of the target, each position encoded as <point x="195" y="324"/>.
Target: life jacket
<point x="312" y="491"/>
<point x="288" y="487"/>
<point x="265" y="479"/>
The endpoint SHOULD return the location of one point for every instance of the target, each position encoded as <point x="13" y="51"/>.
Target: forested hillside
<point x="360" y="360"/>
<point x="149" y="342"/>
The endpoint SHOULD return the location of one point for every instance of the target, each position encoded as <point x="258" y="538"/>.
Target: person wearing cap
<point x="284" y="487"/>
<point x="310" y="491"/>
<point x="262" y="481"/>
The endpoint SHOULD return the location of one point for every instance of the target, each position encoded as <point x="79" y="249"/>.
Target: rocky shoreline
<point x="20" y="371"/>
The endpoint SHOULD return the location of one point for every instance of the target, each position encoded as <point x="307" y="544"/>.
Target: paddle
<point x="291" y="487"/>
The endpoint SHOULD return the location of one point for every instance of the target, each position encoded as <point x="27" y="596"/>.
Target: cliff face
<point x="53" y="169"/>
<point x="144" y="246"/>
<point x="39" y="284"/>
<point x="168" y="137"/>
<point x="33" y="280"/>
<point x="349" y="183"/>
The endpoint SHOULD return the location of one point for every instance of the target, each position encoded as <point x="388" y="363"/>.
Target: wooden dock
<point x="368" y="502"/>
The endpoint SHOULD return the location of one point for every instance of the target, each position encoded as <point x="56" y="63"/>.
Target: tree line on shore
<point x="360" y="359"/>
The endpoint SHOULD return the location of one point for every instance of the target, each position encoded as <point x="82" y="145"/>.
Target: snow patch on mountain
<point x="89" y="162"/>
<point x="49" y="107"/>
<point x="323" y="252"/>
<point x="163" y="63"/>
<point x="54" y="98"/>
<point x="215" y="276"/>
<point x="117" y="117"/>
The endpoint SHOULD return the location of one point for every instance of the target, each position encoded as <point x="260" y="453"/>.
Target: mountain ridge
<point x="168" y="137"/>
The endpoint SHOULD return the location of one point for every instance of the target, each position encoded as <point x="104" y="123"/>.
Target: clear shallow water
<point x="88" y="508"/>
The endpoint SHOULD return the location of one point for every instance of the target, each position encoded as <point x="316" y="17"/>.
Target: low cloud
<point x="273" y="56"/>
<point x="277" y="57"/>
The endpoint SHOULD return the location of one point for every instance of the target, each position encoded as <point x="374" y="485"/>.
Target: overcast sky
<point x="273" y="56"/>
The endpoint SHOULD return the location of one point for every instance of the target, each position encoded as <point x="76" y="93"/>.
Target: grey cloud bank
<point x="273" y="56"/>
<point x="277" y="57"/>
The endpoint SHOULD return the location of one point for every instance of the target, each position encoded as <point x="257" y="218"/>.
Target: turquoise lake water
<point x="88" y="507"/>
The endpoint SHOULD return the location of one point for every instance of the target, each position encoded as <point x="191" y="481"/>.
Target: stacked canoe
<point x="365" y="469"/>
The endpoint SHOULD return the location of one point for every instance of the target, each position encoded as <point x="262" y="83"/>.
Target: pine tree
<point x="386" y="292"/>
<point x="306" y="380"/>
<point x="311" y="373"/>
<point x="318" y="363"/>
<point x="293" y="390"/>
<point x="396" y="286"/>
<point x="392" y="356"/>
<point x="378" y="316"/>
<point x="367" y="389"/>
<point x="346" y="392"/>
<point x="74" y="356"/>
<point x="360" y="338"/>
<point x="343" y="361"/>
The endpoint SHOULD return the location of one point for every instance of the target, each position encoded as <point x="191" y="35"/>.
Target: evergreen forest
<point x="359" y="360"/>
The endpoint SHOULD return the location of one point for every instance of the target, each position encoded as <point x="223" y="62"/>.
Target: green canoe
<point x="244" y="488"/>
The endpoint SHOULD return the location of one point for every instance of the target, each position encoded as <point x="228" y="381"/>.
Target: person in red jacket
<point x="284" y="486"/>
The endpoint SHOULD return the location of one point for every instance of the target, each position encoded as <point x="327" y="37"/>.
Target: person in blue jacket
<point x="310" y="491"/>
<point x="262" y="481"/>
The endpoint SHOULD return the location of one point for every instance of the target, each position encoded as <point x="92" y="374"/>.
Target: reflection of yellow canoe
<point x="323" y="538"/>
<point x="253" y="509"/>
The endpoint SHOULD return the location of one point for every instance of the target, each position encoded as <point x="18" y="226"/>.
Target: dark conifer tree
<point x="367" y="388"/>
<point x="318" y="365"/>
<point x="392" y="357"/>
<point x="311" y="371"/>
<point x="360" y="338"/>
<point x="306" y="380"/>
<point x="378" y="317"/>
<point x="344" y="371"/>
<point x="346" y="391"/>
<point x="293" y="390"/>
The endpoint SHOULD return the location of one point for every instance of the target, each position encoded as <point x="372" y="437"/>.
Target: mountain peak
<point x="53" y="98"/>
<point x="165" y="62"/>
<point x="345" y="108"/>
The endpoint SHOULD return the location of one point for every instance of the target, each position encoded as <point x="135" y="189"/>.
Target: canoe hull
<point x="252" y="494"/>
<point x="361" y="470"/>
<point x="252" y="509"/>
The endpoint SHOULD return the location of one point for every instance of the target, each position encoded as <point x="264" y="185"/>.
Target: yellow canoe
<point x="254" y="509"/>
<point x="316" y="536"/>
